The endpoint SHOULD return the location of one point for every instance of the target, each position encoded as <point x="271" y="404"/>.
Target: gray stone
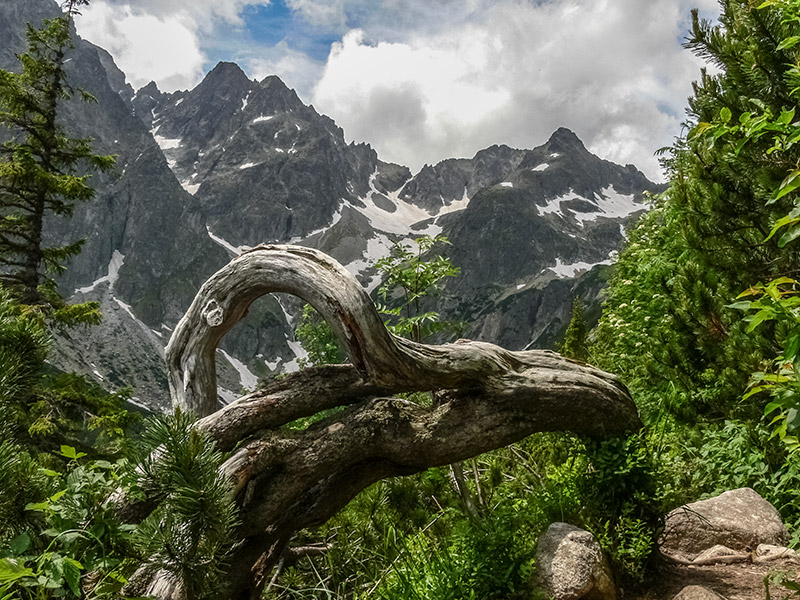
<point x="697" y="592"/>
<point x="739" y="519"/>
<point x="716" y="551"/>
<point x="772" y="552"/>
<point x="570" y="565"/>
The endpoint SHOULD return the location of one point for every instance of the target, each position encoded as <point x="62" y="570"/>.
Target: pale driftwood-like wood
<point x="285" y="480"/>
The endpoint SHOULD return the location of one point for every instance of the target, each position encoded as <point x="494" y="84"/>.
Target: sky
<point x="426" y="80"/>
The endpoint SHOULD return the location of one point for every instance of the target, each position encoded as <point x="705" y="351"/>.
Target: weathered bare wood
<point x="285" y="480"/>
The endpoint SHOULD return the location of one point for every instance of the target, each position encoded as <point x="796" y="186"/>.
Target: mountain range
<point x="206" y="173"/>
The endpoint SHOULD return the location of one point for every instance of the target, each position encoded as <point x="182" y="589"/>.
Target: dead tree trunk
<point x="286" y="480"/>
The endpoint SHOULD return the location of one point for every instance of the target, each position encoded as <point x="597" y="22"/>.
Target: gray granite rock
<point x="697" y="592"/>
<point x="739" y="519"/>
<point x="570" y="565"/>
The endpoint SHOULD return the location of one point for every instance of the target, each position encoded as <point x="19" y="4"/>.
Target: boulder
<point x="697" y="592"/>
<point x="739" y="519"/>
<point x="570" y="565"/>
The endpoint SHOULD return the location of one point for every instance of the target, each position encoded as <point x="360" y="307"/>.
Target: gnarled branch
<point x="285" y="480"/>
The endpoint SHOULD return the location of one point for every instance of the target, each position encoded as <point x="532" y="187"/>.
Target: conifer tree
<point x="706" y="241"/>
<point x="575" y="337"/>
<point x="42" y="169"/>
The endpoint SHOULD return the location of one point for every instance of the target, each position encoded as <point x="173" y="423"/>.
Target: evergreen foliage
<point x="670" y="326"/>
<point x="39" y="170"/>
<point x="576" y="335"/>
<point x="191" y="532"/>
<point x="706" y="240"/>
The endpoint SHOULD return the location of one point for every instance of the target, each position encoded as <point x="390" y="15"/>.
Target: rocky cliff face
<point x="204" y="174"/>
<point x="557" y="213"/>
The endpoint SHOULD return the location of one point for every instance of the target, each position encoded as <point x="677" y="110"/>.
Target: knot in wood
<point x="213" y="314"/>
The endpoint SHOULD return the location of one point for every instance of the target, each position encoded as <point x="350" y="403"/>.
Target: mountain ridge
<point x="203" y="174"/>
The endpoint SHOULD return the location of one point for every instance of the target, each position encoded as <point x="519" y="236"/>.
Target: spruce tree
<point x="575" y="337"/>
<point x="42" y="169"/>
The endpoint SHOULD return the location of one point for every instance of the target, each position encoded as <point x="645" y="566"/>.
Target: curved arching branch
<point x="284" y="479"/>
<point x="385" y="363"/>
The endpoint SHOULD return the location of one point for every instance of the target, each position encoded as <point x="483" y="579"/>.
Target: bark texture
<point x="285" y="479"/>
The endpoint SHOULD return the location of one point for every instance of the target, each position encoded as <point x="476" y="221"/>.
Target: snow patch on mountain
<point x="233" y="250"/>
<point x="405" y="215"/>
<point x="166" y="143"/>
<point x="572" y="270"/>
<point x="609" y="204"/>
<point x="299" y="354"/>
<point x="334" y="220"/>
<point x="190" y="187"/>
<point x="541" y="167"/>
<point x="246" y="377"/>
<point x="615" y="205"/>
<point x="112" y="273"/>
<point x="398" y="221"/>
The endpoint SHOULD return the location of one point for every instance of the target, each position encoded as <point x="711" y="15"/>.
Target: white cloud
<point x="297" y="70"/>
<point x="611" y="70"/>
<point x="146" y="47"/>
<point x="422" y="81"/>
<point x="328" y="14"/>
<point x="160" y="40"/>
<point x="201" y="12"/>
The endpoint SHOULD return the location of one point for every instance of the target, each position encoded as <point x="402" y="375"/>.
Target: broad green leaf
<point x="783" y="281"/>
<point x="789" y="184"/>
<point x="740" y="305"/>
<point x="12" y="569"/>
<point x="789" y="236"/>
<point x="20" y="544"/>
<point x="792" y="346"/>
<point x="108" y="588"/>
<point x="755" y="390"/>
<point x="68" y="451"/>
<point x="772" y="406"/>
<point x="700" y="129"/>
<point x="792" y="420"/>
<point x="789" y="42"/>
<point x="57" y="496"/>
<point x="759" y="318"/>
<point x="71" y="569"/>
<point x="725" y="114"/>
<point x="779" y="224"/>
<point x="751" y="291"/>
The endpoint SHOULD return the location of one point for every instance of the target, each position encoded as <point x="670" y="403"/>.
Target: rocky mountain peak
<point x="565" y="140"/>
<point x="151" y="89"/>
<point x="225" y="73"/>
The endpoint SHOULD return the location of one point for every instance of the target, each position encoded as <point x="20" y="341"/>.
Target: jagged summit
<point x="225" y="77"/>
<point x="564" y="139"/>
<point x="151" y="89"/>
